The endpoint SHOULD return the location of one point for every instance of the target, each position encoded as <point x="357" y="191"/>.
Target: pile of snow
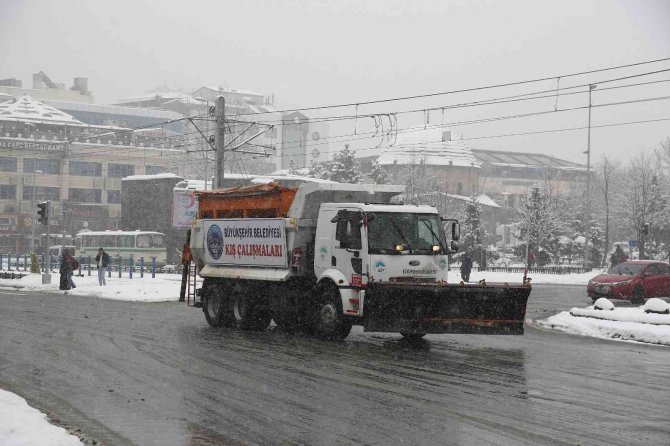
<point x="656" y="305"/>
<point x="164" y="287"/>
<point x="22" y="425"/>
<point x="625" y="324"/>
<point x="603" y="304"/>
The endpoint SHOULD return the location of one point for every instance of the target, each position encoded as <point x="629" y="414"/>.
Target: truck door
<point x="347" y="255"/>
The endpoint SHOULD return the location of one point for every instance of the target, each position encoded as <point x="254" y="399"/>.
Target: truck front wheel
<point x="216" y="305"/>
<point x="329" y="320"/>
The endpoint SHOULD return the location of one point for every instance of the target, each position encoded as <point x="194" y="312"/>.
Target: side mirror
<point x="454" y="246"/>
<point x="455" y="231"/>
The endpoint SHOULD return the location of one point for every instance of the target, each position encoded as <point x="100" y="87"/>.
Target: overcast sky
<point x="313" y="53"/>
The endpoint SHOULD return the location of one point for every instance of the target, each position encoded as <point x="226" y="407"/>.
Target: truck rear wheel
<point x="247" y="313"/>
<point x="413" y="337"/>
<point x="329" y="321"/>
<point x="216" y="305"/>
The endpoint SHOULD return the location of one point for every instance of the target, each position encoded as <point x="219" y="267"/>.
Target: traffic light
<point x="43" y="212"/>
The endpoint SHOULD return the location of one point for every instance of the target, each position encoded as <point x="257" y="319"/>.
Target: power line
<point x="464" y="90"/>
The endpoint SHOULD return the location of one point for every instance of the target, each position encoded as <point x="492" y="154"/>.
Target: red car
<point x="634" y="280"/>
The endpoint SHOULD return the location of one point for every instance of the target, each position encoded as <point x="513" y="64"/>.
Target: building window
<point x="7" y="164"/>
<point x="47" y="166"/>
<point x="153" y="170"/>
<point x="113" y="196"/>
<point x="85" y="195"/>
<point x="7" y="192"/>
<point x="120" y="170"/>
<point x="42" y="193"/>
<point x="85" y="169"/>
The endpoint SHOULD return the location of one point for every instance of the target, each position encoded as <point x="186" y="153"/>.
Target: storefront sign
<point x="38" y="146"/>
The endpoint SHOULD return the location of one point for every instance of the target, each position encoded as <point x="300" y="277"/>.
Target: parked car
<point x="634" y="280"/>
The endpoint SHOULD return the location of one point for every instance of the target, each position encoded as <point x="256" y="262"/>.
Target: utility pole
<point x="587" y="209"/>
<point x="219" y="139"/>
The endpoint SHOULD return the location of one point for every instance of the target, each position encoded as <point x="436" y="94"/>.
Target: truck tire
<point x="285" y="314"/>
<point x="216" y="305"/>
<point x="328" y="318"/>
<point x="413" y="337"/>
<point x="247" y="313"/>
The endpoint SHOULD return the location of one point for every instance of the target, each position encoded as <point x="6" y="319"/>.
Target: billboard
<point x="248" y="242"/>
<point x="184" y="208"/>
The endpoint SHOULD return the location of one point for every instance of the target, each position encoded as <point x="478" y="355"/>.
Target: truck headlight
<point x="436" y="248"/>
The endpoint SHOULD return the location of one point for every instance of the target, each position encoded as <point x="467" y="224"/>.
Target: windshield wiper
<point x="397" y="228"/>
<point x="437" y="239"/>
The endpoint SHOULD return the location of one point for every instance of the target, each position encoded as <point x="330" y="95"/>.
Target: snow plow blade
<point x="496" y="309"/>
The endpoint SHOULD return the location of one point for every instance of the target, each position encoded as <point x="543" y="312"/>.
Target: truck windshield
<point x="412" y="233"/>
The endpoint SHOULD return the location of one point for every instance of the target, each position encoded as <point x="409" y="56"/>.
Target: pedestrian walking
<point x="102" y="260"/>
<point x="466" y="267"/>
<point x="67" y="265"/>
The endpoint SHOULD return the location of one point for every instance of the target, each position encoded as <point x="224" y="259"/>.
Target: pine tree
<point x="34" y="263"/>
<point x="344" y="168"/>
<point x="539" y="222"/>
<point x="474" y="233"/>
<point x="378" y="174"/>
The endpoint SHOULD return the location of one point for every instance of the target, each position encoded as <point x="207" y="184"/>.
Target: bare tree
<point x="607" y="170"/>
<point x="641" y="202"/>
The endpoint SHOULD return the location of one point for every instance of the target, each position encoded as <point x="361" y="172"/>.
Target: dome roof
<point x="25" y="108"/>
<point x="433" y="147"/>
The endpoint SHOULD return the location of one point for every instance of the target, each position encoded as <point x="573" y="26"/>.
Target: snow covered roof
<point x="25" y="108"/>
<point x="418" y="145"/>
<point x="231" y="90"/>
<point x="524" y="160"/>
<point x="158" y="176"/>
<point x="484" y="200"/>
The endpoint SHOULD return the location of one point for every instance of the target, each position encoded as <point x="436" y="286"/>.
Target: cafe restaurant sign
<point x="40" y="146"/>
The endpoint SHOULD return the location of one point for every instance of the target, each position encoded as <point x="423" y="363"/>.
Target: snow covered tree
<point x="474" y="234"/>
<point x="642" y="201"/>
<point x="607" y="175"/>
<point x="344" y="168"/>
<point x="539" y="222"/>
<point x="378" y="174"/>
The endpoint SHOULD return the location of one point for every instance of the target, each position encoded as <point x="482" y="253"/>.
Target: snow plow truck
<point x="321" y="257"/>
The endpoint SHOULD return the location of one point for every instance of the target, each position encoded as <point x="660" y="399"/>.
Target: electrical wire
<point x="464" y="90"/>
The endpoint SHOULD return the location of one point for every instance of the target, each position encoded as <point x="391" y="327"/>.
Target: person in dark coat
<point x="67" y="266"/>
<point x="102" y="260"/>
<point x="466" y="267"/>
<point x="618" y="256"/>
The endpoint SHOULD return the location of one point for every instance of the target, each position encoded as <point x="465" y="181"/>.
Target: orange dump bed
<point x="257" y="201"/>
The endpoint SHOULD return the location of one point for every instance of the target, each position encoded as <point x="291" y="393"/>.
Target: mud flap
<point x="445" y="308"/>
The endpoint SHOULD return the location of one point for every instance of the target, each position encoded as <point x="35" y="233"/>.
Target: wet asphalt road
<point x="157" y="374"/>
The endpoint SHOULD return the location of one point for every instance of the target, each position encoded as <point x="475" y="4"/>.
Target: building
<point x="45" y="89"/>
<point x="47" y="154"/>
<point x="432" y="153"/>
<point x="507" y="176"/>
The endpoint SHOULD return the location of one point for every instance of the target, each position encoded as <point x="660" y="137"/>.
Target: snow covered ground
<point x="22" y="425"/>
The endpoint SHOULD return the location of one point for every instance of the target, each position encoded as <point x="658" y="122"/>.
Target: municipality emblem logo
<point x="443" y="263"/>
<point x="323" y="252"/>
<point x="215" y="242"/>
<point x="380" y="266"/>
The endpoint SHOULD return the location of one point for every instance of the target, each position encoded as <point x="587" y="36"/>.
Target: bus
<point x="124" y="244"/>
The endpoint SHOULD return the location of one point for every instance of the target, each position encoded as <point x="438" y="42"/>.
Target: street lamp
<point x="32" y="240"/>
<point x="587" y="215"/>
